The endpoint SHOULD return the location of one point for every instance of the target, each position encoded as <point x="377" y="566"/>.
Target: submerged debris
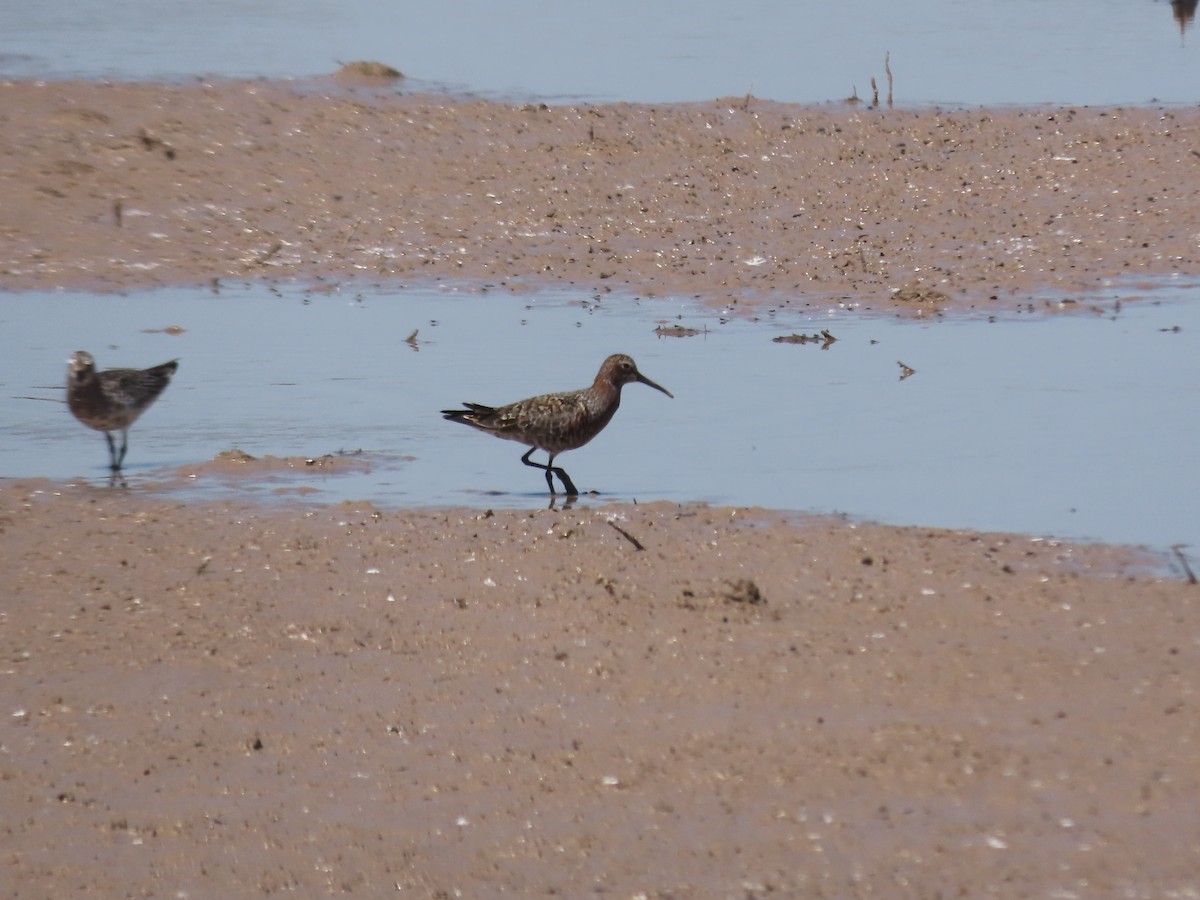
<point x="825" y="339"/>
<point x="369" y="69"/>
<point x="676" y="331"/>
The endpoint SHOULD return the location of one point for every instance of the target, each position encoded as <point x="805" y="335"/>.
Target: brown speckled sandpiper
<point x="557" y="422"/>
<point x="112" y="400"/>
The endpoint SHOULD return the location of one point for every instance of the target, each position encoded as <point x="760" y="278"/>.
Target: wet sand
<point x="130" y="185"/>
<point x="216" y="699"/>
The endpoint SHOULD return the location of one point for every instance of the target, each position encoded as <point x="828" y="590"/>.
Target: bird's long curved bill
<point x="658" y="387"/>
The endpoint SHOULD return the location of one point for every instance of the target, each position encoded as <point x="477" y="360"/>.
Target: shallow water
<point x="942" y="51"/>
<point x="1078" y="424"/>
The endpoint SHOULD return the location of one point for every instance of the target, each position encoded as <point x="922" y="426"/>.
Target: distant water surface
<point x="942" y="51"/>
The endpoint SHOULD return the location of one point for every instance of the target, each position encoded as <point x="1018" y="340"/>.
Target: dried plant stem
<point x="887" y="67"/>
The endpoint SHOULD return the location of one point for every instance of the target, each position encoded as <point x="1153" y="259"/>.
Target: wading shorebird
<point x="558" y="422"/>
<point x="112" y="400"/>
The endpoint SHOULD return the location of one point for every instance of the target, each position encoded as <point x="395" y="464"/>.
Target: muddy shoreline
<point x="658" y="700"/>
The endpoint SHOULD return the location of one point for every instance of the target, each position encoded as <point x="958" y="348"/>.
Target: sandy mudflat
<point x="139" y="184"/>
<point x="222" y="700"/>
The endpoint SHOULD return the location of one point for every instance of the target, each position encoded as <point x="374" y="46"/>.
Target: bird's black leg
<point x="124" y="447"/>
<point x="537" y="465"/>
<point x="113" y="463"/>
<point x="549" y="468"/>
<point x="566" y="480"/>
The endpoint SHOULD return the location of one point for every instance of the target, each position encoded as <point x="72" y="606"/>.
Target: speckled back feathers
<point x="113" y="399"/>
<point x="558" y="421"/>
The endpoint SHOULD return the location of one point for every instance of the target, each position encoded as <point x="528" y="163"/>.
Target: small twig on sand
<point x="887" y="67"/>
<point x="265" y="256"/>
<point x="1177" y="549"/>
<point x="625" y="534"/>
<point x="874" y="94"/>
